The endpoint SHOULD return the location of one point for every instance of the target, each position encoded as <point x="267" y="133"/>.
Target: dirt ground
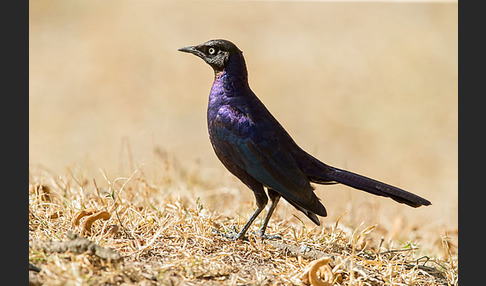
<point x="130" y="231"/>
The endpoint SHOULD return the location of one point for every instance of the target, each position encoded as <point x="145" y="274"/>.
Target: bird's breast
<point x="228" y="120"/>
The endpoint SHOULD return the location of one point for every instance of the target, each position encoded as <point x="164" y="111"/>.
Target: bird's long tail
<point x="324" y="174"/>
<point x="376" y="187"/>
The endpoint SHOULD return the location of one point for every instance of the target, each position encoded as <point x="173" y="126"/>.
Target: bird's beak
<point x="192" y="50"/>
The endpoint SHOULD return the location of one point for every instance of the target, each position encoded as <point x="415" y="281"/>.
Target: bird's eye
<point x="211" y="51"/>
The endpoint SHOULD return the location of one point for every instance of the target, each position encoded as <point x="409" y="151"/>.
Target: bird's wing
<point x="257" y="149"/>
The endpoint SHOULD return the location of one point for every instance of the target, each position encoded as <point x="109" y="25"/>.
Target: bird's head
<point x="216" y="53"/>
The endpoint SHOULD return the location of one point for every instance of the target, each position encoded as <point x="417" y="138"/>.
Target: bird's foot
<point x="271" y="237"/>
<point x="267" y="236"/>
<point x="231" y="235"/>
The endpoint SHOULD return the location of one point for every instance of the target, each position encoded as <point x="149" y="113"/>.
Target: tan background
<point x="369" y="87"/>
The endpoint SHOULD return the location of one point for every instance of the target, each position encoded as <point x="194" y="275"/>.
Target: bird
<point x="255" y="147"/>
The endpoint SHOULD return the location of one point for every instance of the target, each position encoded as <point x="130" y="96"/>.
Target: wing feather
<point x="261" y="155"/>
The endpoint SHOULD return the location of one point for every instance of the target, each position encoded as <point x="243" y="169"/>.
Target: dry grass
<point x="369" y="87"/>
<point x="165" y="236"/>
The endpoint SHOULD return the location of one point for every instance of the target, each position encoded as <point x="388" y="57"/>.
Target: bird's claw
<point x="233" y="234"/>
<point x="267" y="236"/>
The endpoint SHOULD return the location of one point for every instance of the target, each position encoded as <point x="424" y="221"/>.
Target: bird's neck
<point x="233" y="80"/>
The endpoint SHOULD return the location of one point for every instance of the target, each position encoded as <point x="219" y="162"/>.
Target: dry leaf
<point x="79" y="215"/>
<point x="86" y="226"/>
<point x="318" y="273"/>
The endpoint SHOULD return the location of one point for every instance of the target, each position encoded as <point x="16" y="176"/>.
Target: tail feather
<point x="321" y="173"/>
<point x="375" y="187"/>
<point x="312" y="216"/>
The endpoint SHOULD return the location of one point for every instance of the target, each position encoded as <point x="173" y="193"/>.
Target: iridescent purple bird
<point x="254" y="147"/>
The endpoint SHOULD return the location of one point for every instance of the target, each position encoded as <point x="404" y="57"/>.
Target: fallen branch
<point x="77" y="244"/>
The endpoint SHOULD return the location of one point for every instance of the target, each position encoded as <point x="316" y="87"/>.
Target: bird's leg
<point x="274" y="198"/>
<point x="261" y="201"/>
<point x="247" y="225"/>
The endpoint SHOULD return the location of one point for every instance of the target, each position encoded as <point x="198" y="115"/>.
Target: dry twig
<point x="77" y="244"/>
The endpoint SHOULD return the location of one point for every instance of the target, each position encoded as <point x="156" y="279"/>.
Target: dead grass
<point x="165" y="236"/>
<point x="367" y="86"/>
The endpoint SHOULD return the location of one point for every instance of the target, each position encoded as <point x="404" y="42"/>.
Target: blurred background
<point x="368" y="87"/>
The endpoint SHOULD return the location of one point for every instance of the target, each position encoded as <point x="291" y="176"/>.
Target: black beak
<point x="192" y="50"/>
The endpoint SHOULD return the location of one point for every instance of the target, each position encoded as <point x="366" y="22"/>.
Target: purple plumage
<point x="254" y="147"/>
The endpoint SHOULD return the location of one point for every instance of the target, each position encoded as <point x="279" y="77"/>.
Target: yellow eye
<point x="211" y="51"/>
